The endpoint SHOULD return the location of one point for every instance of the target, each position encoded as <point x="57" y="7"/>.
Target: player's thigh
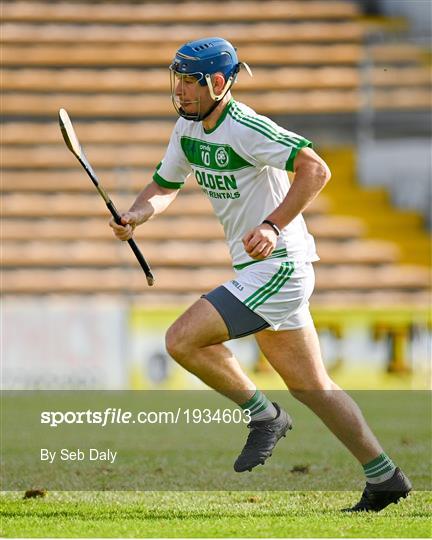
<point x="296" y="356"/>
<point x="199" y="326"/>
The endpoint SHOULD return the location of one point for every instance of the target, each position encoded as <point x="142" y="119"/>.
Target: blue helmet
<point x="201" y="59"/>
<point x="206" y="56"/>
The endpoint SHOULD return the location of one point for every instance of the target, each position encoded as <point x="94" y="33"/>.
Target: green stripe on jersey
<point x="272" y="287"/>
<point x="221" y="118"/>
<point x="217" y="157"/>
<point x="266" y="128"/>
<point x="164" y="183"/>
<point x="271" y="130"/>
<point x="289" y="165"/>
<point x="277" y="254"/>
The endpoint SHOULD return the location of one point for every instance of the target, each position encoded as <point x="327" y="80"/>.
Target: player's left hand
<point x="260" y="241"/>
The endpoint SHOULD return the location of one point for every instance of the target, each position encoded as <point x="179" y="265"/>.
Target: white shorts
<point x="277" y="291"/>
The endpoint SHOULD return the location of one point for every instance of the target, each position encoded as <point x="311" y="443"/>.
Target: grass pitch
<point x="210" y="514"/>
<point x="403" y="424"/>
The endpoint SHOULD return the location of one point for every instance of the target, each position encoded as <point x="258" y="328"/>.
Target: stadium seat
<point x="118" y="280"/>
<point x="87" y="205"/>
<point x="89" y="132"/>
<point x="125" y="54"/>
<point x="155" y="105"/>
<point x="22" y="11"/>
<point x="326" y="227"/>
<point x="124" y="80"/>
<point x="39" y="253"/>
<point x="255" y="32"/>
<point x="155" y="80"/>
<point x="110" y="74"/>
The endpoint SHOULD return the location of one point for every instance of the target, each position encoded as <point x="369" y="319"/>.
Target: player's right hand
<point x="126" y="229"/>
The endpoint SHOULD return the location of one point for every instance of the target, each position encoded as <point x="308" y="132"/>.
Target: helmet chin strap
<point x="218" y="98"/>
<point x="225" y="89"/>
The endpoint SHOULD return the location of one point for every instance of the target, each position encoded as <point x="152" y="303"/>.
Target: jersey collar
<point x="221" y="117"/>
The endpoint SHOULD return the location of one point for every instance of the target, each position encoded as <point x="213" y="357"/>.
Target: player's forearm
<point x="152" y="200"/>
<point x="310" y="178"/>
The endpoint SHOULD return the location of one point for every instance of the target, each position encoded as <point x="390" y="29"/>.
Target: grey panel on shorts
<point x="239" y="319"/>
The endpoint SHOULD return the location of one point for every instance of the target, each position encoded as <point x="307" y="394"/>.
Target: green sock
<point x="379" y="469"/>
<point x="260" y="407"/>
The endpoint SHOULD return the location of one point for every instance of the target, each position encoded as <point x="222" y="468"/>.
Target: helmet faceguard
<point x="201" y="59"/>
<point x="182" y="79"/>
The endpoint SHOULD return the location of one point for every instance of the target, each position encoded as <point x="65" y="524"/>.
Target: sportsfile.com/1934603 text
<point x="111" y="416"/>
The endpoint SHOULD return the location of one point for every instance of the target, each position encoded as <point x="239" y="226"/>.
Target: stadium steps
<point x="75" y="180"/>
<point x="324" y="227"/>
<point x="50" y="61"/>
<point x="402" y="99"/>
<point x="134" y="106"/>
<point x="190" y="12"/>
<point x="57" y="156"/>
<point x="38" y="133"/>
<point x="373" y="206"/>
<point x="254" y="32"/>
<point x="39" y="253"/>
<point x="384" y="24"/>
<point x="153" y="105"/>
<point x="119" y="80"/>
<point x="396" y="53"/>
<point x="156" y="80"/>
<point x="401" y="76"/>
<point x="379" y="299"/>
<point x="184" y="280"/>
<point x="144" y="55"/>
<point x="91" y="205"/>
<point x="414" y="243"/>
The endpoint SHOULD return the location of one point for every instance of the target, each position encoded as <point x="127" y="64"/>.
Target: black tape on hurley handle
<point x="133" y="245"/>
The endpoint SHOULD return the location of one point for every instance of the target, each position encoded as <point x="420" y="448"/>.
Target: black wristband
<point x="273" y="226"/>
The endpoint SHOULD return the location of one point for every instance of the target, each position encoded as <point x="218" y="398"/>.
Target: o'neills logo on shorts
<point x="237" y="285"/>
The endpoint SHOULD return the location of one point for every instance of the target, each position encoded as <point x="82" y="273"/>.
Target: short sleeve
<point x="172" y="171"/>
<point x="267" y="143"/>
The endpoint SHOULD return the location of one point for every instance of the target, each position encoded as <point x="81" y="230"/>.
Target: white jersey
<point x="241" y="166"/>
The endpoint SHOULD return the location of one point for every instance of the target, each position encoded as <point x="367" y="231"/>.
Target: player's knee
<point x="176" y="345"/>
<point x="172" y="343"/>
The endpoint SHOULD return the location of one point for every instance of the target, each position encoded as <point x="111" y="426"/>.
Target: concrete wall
<point x="419" y="13"/>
